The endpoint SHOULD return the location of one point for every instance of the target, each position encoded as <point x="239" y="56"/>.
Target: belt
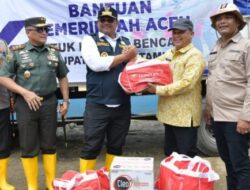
<point x="46" y="97"/>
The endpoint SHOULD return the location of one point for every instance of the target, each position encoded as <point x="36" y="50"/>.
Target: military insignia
<point x="26" y="60"/>
<point x="102" y="44"/>
<point x="25" y="56"/>
<point x="122" y="46"/>
<point x="52" y="57"/>
<point x="104" y="54"/>
<point x="26" y="74"/>
<point x="107" y="9"/>
<point x="52" y="50"/>
<point x="123" y="43"/>
<point x="31" y="64"/>
<point x="53" y="47"/>
<point x="22" y="66"/>
<point x="106" y="12"/>
<point x="17" y="47"/>
<point x="23" y="52"/>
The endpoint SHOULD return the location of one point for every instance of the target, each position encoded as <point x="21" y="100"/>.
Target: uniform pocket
<point x="233" y="56"/>
<point x="27" y="66"/>
<point x="234" y="66"/>
<point x="52" y="65"/>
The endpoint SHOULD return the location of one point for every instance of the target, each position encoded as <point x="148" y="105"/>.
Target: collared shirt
<point x="91" y="55"/>
<point x="4" y="94"/>
<point x="180" y="102"/>
<point x="36" y="69"/>
<point x="228" y="83"/>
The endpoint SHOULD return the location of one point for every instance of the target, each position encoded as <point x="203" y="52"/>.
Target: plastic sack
<point x="137" y="74"/>
<point x="89" y="180"/>
<point x="180" y="172"/>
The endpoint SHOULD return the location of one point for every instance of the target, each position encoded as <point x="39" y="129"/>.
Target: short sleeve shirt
<point x="4" y="95"/>
<point x="36" y="69"/>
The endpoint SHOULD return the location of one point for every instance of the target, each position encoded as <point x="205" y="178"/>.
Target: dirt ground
<point x="145" y="139"/>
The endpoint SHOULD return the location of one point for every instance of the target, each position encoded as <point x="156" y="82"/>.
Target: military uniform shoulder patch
<point x="17" y="47"/>
<point x="54" y="47"/>
<point x="124" y="38"/>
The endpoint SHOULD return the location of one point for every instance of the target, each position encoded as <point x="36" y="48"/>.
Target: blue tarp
<point x="244" y="6"/>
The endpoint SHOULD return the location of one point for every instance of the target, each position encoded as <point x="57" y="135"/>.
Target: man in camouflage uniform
<point x="36" y="66"/>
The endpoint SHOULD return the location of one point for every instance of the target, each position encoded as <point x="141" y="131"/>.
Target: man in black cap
<point x="179" y="107"/>
<point x="107" y="111"/>
<point x="36" y="66"/>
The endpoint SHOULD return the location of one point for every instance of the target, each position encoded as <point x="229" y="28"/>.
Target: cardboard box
<point x="132" y="173"/>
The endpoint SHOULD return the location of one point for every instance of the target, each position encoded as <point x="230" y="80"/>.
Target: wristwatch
<point x="66" y="100"/>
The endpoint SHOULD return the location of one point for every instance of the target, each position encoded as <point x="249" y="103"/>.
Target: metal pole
<point x="64" y="129"/>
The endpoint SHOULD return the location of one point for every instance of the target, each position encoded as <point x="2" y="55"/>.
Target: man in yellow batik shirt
<point x="179" y="106"/>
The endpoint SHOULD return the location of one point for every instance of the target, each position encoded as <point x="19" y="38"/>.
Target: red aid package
<point x="180" y="172"/>
<point x="137" y="74"/>
<point x="89" y="180"/>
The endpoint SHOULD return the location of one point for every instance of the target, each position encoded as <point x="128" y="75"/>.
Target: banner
<point x="144" y="22"/>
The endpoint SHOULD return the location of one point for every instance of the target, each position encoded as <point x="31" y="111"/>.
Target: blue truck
<point x="145" y="22"/>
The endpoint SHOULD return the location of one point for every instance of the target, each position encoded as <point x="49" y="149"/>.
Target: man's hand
<point x="208" y="118"/>
<point x="130" y="51"/>
<point x="33" y="101"/>
<point x="243" y="127"/>
<point x="64" y="106"/>
<point x="151" y="88"/>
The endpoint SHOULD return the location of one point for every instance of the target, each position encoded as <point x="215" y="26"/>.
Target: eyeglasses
<point x="109" y="20"/>
<point x="40" y="29"/>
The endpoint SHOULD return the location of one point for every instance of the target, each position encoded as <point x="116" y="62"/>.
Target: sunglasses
<point x="109" y="20"/>
<point x="40" y="29"/>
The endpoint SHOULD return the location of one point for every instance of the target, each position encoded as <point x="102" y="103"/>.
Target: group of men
<point x="33" y="68"/>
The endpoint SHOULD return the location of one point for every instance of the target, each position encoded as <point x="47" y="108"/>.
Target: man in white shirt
<point x="107" y="112"/>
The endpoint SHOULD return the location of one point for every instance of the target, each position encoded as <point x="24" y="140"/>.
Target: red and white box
<point x="133" y="173"/>
<point x="136" y="76"/>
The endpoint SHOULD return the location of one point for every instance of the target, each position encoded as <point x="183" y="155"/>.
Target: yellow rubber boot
<point x="3" y="175"/>
<point x="49" y="163"/>
<point x="30" y="166"/>
<point x="108" y="161"/>
<point x="87" y="165"/>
